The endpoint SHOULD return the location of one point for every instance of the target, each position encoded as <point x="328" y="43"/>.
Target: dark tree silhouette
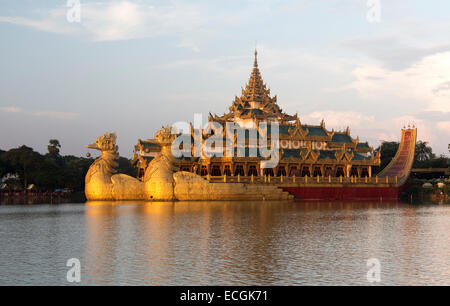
<point x="51" y="171"/>
<point x="23" y="161"/>
<point x="53" y="147"/>
<point x="423" y="152"/>
<point x="423" y="156"/>
<point x="388" y="150"/>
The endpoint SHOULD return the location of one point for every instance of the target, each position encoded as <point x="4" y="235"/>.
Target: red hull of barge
<point x="344" y="193"/>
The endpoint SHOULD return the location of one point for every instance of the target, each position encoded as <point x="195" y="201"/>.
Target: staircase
<point x="400" y="166"/>
<point x="248" y="191"/>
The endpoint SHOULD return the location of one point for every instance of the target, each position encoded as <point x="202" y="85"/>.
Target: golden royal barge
<point x="313" y="161"/>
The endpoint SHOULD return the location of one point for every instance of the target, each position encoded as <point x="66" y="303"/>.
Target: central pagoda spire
<point x="255" y="91"/>
<point x="255" y="101"/>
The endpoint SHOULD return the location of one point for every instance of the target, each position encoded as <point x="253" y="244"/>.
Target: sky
<point x="132" y="66"/>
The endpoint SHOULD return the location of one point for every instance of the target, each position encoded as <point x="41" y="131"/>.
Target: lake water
<point x="225" y="243"/>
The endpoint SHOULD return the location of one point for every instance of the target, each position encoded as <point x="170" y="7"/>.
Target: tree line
<point x="423" y="156"/>
<point x="22" y="166"/>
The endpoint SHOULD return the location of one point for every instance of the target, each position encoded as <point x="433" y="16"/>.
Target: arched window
<point x="340" y="172"/>
<point x="317" y="171"/>
<point x="239" y="170"/>
<point x="204" y="171"/>
<point x="215" y="170"/>
<point x="329" y="171"/>
<point x="268" y="171"/>
<point x="354" y="172"/>
<point x="364" y="172"/>
<point x="281" y="171"/>
<point x="227" y="170"/>
<point x="294" y="171"/>
<point x="252" y="170"/>
<point x="305" y="171"/>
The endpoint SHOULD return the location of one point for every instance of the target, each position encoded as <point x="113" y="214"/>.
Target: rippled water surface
<point x="225" y="243"/>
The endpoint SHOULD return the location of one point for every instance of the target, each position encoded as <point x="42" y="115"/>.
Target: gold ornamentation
<point x="102" y="183"/>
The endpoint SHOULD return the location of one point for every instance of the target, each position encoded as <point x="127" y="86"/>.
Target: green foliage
<point x="4" y="167"/>
<point x="423" y="156"/>
<point x="50" y="171"/>
<point x="125" y="167"/>
<point x="23" y="161"/>
<point x="388" y="150"/>
<point x="53" y="147"/>
<point x="437" y="162"/>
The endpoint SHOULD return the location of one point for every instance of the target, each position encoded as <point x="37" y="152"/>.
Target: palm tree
<point x="423" y="151"/>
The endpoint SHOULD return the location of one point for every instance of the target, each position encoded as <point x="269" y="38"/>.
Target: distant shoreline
<point x="41" y="198"/>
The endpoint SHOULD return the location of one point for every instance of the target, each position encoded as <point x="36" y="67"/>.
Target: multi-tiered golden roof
<point x="305" y="150"/>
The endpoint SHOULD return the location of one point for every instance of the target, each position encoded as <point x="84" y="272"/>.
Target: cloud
<point x="368" y="127"/>
<point x="378" y="129"/>
<point x="56" y="114"/>
<point x="53" y="21"/>
<point x="341" y="119"/>
<point x="10" y="109"/>
<point x="423" y="85"/>
<point x="130" y="20"/>
<point x="48" y="113"/>
<point x="119" y="20"/>
<point x="444" y="126"/>
<point x="442" y="89"/>
<point x="392" y="52"/>
<point x="283" y="64"/>
<point x="189" y="45"/>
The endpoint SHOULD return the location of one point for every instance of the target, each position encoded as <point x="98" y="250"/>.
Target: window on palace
<point x="329" y="171"/>
<point x="340" y="172"/>
<point x="317" y="172"/>
<point x="239" y="170"/>
<point x="294" y="172"/>
<point x="354" y="172"/>
<point x="227" y="170"/>
<point x="188" y="169"/>
<point x="204" y="171"/>
<point x="305" y="171"/>
<point x="268" y="171"/>
<point x="364" y="172"/>
<point x="281" y="171"/>
<point x="215" y="170"/>
<point x="252" y="171"/>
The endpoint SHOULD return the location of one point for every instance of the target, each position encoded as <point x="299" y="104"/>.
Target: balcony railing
<point x="297" y="180"/>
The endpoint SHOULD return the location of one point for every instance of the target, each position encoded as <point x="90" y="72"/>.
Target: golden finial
<point x="255" y="63"/>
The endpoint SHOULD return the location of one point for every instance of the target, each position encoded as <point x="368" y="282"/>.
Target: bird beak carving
<point x="92" y="146"/>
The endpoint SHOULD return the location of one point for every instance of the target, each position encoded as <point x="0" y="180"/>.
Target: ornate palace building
<point x="305" y="150"/>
